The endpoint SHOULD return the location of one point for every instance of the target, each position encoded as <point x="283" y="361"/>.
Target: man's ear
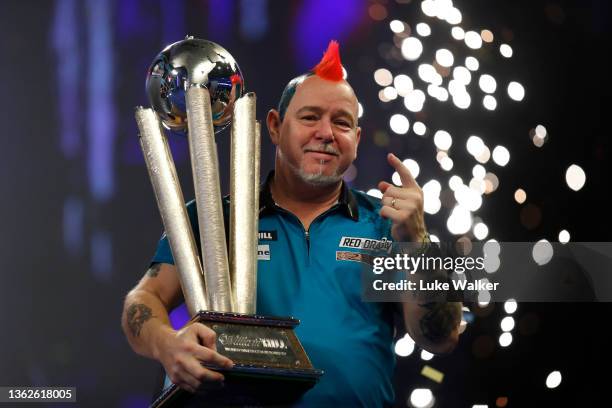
<point x="274" y="124"/>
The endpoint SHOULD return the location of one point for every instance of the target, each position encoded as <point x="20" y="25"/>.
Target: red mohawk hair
<point x="330" y="67"/>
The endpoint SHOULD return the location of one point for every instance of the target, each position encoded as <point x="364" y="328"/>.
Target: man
<point x="308" y="212"/>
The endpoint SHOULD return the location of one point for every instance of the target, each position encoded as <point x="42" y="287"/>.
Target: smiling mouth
<point x="321" y="152"/>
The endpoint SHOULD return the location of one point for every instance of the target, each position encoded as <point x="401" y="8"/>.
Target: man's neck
<point x="301" y="198"/>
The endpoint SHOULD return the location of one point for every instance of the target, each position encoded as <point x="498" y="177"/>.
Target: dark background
<point x="80" y="222"/>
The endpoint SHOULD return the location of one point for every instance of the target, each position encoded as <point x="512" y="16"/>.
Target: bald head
<point x="292" y="86"/>
<point x="315" y="92"/>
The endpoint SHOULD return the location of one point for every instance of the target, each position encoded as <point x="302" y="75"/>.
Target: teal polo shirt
<point x="314" y="275"/>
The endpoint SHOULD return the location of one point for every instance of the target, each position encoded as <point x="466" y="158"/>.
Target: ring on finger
<point x="393" y="203"/>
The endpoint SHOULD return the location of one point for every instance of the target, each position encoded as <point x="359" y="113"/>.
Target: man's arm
<point x="145" y="311"/>
<point x="433" y="320"/>
<point x="147" y="327"/>
<point x="434" y="326"/>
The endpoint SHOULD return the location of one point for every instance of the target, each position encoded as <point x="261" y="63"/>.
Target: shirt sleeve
<point x="163" y="254"/>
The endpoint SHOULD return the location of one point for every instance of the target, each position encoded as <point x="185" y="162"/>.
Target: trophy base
<point x="270" y="365"/>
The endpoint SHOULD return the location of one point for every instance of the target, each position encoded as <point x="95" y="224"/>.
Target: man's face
<point x="319" y="134"/>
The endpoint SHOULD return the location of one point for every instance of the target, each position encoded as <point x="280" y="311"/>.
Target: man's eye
<point x="343" y="124"/>
<point x="309" y="117"/>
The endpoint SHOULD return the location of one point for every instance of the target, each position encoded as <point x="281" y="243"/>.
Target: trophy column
<point x="205" y="166"/>
<point x="244" y="204"/>
<point x="167" y="188"/>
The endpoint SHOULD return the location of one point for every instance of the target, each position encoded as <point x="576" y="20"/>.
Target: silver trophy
<point x="196" y="87"/>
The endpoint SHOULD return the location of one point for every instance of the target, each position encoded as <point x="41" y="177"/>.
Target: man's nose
<point x="324" y="131"/>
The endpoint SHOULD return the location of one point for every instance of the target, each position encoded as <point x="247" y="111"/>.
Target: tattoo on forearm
<point x="439" y="321"/>
<point x="154" y="270"/>
<point x="137" y="315"/>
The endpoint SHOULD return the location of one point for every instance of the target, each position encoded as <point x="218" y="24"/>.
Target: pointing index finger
<point x="402" y="170"/>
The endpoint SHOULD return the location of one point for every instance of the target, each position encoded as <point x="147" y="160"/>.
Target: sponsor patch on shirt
<point x="267" y="235"/>
<point x="365" y="243"/>
<point x="263" y="252"/>
<point x="355" y="257"/>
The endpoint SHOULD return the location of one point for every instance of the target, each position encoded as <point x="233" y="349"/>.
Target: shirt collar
<point x="346" y="202"/>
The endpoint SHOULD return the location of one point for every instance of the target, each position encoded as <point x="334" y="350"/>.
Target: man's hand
<point x="147" y="327"/>
<point x="403" y="205"/>
<point x="181" y="353"/>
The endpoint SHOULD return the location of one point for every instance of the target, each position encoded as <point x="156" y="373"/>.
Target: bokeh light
<point x="575" y="177"/>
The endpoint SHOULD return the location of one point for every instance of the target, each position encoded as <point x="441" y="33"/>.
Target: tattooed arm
<point x="145" y="312"/>
<point x="431" y="320"/>
<point x="147" y="327"/>
<point x="434" y="325"/>
<point x="430" y="317"/>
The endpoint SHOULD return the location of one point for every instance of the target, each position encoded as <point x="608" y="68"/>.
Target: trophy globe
<point x="193" y="62"/>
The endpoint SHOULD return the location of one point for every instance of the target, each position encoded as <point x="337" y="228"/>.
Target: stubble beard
<point x="317" y="179"/>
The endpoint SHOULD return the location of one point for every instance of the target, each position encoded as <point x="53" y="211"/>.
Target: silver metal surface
<point x="167" y="189"/>
<point x="256" y="165"/>
<point x="257" y="178"/>
<point x="193" y="61"/>
<point x="244" y="176"/>
<point x="205" y="166"/>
